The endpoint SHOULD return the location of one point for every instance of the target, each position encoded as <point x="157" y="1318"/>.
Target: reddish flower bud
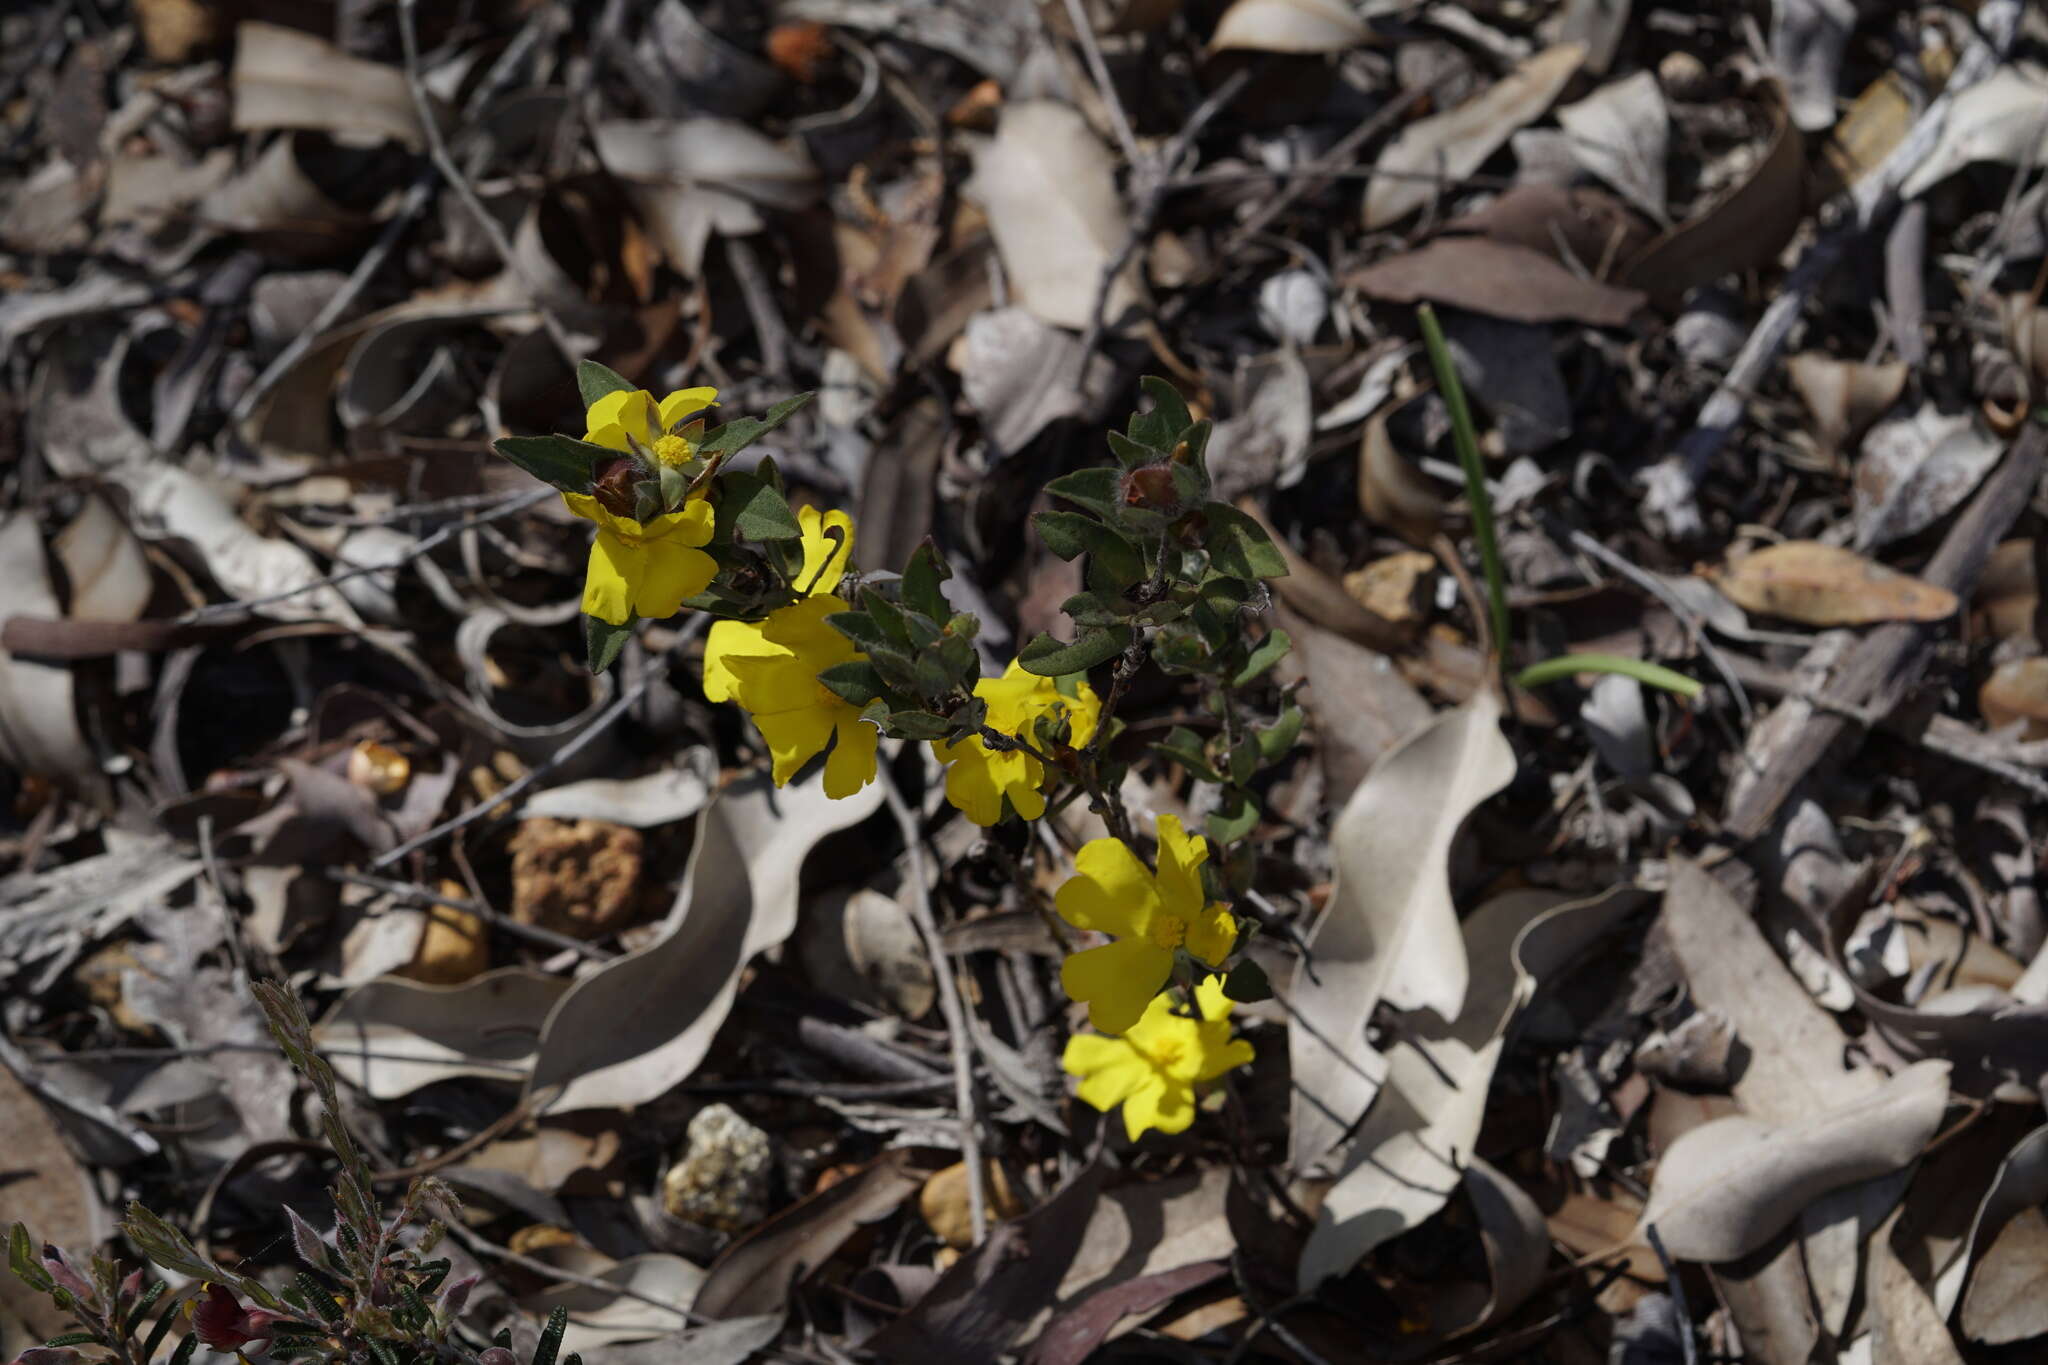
<point x="1151" y="487"/>
<point x="614" y="487"/>
<point x="223" y="1324"/>
<point x="497" y="1355"/>
<point x="61" y="1271"/>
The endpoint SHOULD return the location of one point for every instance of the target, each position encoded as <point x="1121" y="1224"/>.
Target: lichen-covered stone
<point x="579" y="877"/>
<point x="723" y="1179"/>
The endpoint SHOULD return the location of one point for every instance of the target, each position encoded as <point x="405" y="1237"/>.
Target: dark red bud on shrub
<point x="1151" y="487"/>
<point x="614" y="487"/>
<point x="497" y="1355"/>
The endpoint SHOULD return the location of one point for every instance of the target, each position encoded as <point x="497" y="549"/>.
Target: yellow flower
<point x="645" y="569"/>
<point x="771" y="668"/>
<point x="627" y="417"/>
<point x="1152" y="1070"/>
<point x="979" y="777"/>
<point x="1150" y="916"/>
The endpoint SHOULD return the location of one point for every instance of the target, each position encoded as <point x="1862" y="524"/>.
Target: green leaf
<point x="1247" y="983"/>
<point x="737" y="435"/>
<point x="1169" y="415"/>
<point x="855" y="682"/>
<point x="1090" y="609"/>
<point x="754" y="507"/>
<point x="919" y="725"/>
<point x="602" y="642"/>
<point x="21" y="1257"/>
<point x="1096" y="489"/>
<point x="1270" y="651"/>
<point x="1235" y="818"/>
<point x="862" y="629"/>
<point x="565" y="462"/>
<point x="1239" y="546"/>
<point x="71" y="1339"/>
<point x="550" y="1342"/>
<point x="922" y="576"/>
<point x="594" y="381"/>
<point x="183" y="1355"/>
<point x="1131" y="454"/>
<point x="888" y="616"/>
<point x="1048" y="658"/>
<point x="1114" y="564"/>
<point x="1066" y="534"/>
<point x="1277" y="738"/>
<point x="1244" y="760"/>
<point x="934" y="678"/>
<point x="1184" y="746"/>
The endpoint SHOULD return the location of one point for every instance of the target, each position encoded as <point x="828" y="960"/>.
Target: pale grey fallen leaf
<point x="1049" y="187"/>
<point x="732" y="1342"/>
<point x="25" y="312"/>
<point x="1266" y="445"/>
<point x="1302" y="26"/>
<point x="1728" y="1186"/>
<point x="1833" y="1232"/>
<point x="1147" y="1227"/>
<point x="1391" y="929"/>
<point x="393" y="1036"/>
<point x="738" y="898"/>
<point x="1405" y="1159"/>
<point x="1807" y="41"/>
<point x="2004" y="1303"/>
<point x="1915" y="469"/>
<point x="1599" y="24"/>
<point x="2021" y="1183"/>
<point x="39" y="726"/>
<point x="2002" y="118"/>
<point x="1615" y="720"/>
<point x="657" y="798"/>
<point x="1516" y="1240"/>
<point x="1621" y="133"/>
<point x="1436" y="153"/>
<point x="1019" y="374"/>
<point x="49" y="917"/>
<point x="1375" y="387"/>
<point x="104" y="563"/>
<point x="602" y="1317"/>
<point x="1904" y="1328"/>
<point x="285" y="78"/>
<point x="1293" y="305"/>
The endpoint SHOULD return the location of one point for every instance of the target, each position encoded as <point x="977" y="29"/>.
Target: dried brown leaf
<point x="1499" y="279"/>
<point x="1826" y="585"/>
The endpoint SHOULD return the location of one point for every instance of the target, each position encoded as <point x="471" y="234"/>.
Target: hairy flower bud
<point x="614" y="489"/>
<point x="1151" y="487"/>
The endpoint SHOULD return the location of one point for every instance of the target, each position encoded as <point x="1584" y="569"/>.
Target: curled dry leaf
<point x="738" y="898"/>
<point x="2006" y="1246"/>
<point x="1289" y="26"/>
<point x="602" y="1316"/>
<point x="284" y="78"/>
<point x="2003" y="118"/>
<point x="696" y="176"/>
<point x="391" y="1037"/>
<point x="1391" y="929"/>
<point x="1436" y="153"/>
<point x="1746" y="229"/>
<point x="1622" y="133"/>
<point x="1049" y="187"/>
<point x="1727" y="1187"/>
<point x="1844" y="396"/>
<point x="1404" y="1161"/>
<point x="1499" y="279"/>
<point x="1585" y="227"/>
<point x="1826" y="585"/>
<point x="1807" y="41"/>
<point x="39" y="729"/>
<point x="1915" y="470"/>
<point x="1392" y="492"/>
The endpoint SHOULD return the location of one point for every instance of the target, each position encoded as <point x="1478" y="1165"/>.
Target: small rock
<point x="1396" y="587"/>
<point x="1683" y="76"/>
<point x="945" y="1207"/>
<point x="578" y="877"/>
<point x="378" y="768"/>
<point x="173" y="31"/>
<point x="539" y="1236"/>
<point x="722" y="1181"/>
<point x="455" y="946"/>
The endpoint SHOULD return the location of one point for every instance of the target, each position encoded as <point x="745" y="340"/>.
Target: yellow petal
<point x="691" y="524"/>
<point x="671" y="573"/>
<point x="1021" y="778"/>
<point x="970" y="784"/>
<point x="851" y="765"/>
<point x="825" y="557"/>
<point x="682" y="403"/>
<point x="730" y="640"/>
<point x="631" y="410"/>
<point x="1216" y="1061"/>
<point x="1088" y="1053"/>
<point x="1158" y="1104"/>
<point x="1117" y="980"/>
<point x="1180" y="868"/>
<point x="1211" y="934"/>
<point x="612" y="579"/>
<point x="794" y="738"/>
<point x="1210" y="1001"/>
<point x="1110" y="1085"/>
<point x="1110" y="890"/>
<point x="611" y="436"/>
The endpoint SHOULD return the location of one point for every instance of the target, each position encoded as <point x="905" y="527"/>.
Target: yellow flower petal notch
<point x="1153" y="1069"/>
<point x="630" y="421"/>
<point x="1150" y="916"/>
<point x="978" y="778"/>
<point x="644" y="569"/>
<point x="771" y="667"/>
